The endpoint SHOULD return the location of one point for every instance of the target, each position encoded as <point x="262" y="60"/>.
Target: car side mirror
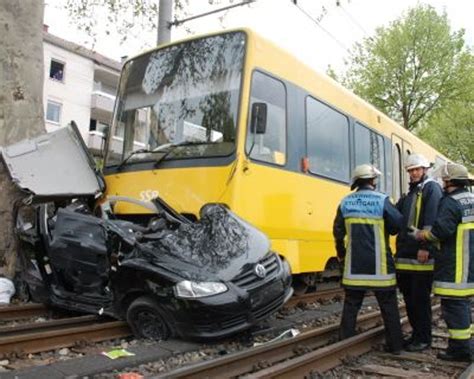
<point x="258" y="124"/>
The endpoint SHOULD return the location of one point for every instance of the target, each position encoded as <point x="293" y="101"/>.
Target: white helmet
<point x="415" y="161"/>
<point x="364" y="171"/>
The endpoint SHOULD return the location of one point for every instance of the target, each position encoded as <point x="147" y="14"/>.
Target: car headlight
<point x="192" y="290"/>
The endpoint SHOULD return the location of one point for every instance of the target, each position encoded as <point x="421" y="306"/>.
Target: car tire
<point x="146" y="319"/>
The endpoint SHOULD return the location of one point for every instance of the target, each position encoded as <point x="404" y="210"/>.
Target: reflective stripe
<point x="453" y="289"/>
<point x="462" y="195"/>
<point x="381" y="278"/>
<point x="465" y="220"/>
<point x="412" y="213"/>
<point x="462" y="252"/>
<point x="407" y="264"/>
<point x="383" y="250"/>
<point x="458" y="265"/>
<point x="369" y="283"/>
<point x="453" y="292"/>
<point x="472" y="328"/>
<point x="469" y="197"/>
<point x="460" y="334"/>
<point x="451" y="285"/>
<point x="419" y="196"/>
<point x="361" y="216"/>
<point x="407" y="267"/>
<point x="415" y="208"/>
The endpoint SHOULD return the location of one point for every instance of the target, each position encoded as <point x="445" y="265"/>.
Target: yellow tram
<point x="231" y="118"/>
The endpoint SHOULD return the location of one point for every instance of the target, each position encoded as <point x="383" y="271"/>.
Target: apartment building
<point x="79" y="85"/>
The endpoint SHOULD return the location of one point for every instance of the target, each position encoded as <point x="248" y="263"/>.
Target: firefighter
<point x="414" y="259"/>
<point x="366" y="218"/>
<point x="454" y="264"/>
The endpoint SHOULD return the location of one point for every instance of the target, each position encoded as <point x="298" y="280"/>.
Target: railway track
<point x="17" y="312"/>
<point x="54" y="334"/>
<point x="327" y="294"/>
<point x="290" y="358"/>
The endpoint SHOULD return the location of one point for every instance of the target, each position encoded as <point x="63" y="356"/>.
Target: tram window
<point x="397" y="172"/>
<point x="328" y="141"/>
<point x="369" y="148"/>
<point x="388" y="167"/>
<point x="406" y="174"/>
<point x="381" y="162"/>
<point x="270" y="146"/>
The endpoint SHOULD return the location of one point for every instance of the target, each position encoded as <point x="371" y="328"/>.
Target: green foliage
<point x="412" y="68"/>
<point x="120" y="16"/>
<point x="332" y="73"/>
<point x="124" y="17"/>
<point x="451" y="131"/>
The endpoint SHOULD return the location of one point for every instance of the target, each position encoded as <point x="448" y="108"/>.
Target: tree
<point x="124" y="17"/>
<point x="21" y="102"/>
<point x="451" y="131"/>
<point x="411" y="68"/>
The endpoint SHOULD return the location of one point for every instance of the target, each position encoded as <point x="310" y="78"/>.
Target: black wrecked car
<point x="166" y="275"/>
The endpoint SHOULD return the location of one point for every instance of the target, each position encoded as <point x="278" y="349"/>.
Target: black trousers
<point x="387" y="300"/>
<point x="457" y="315"/>
<point x="416" y="290"/>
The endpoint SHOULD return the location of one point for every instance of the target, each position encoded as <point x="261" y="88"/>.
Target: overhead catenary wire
<point x="179" y="22"/>
<point x="344" y="47"/>
<point x="351" y="18"/>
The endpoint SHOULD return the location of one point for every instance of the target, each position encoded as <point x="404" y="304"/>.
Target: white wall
<point x="74" y="93"/>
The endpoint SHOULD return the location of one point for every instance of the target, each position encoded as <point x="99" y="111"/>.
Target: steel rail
<point x="328" y="357"/>
<point x="16" y="312"/>
<point x="50" y="335"/>
<point x="315" y="296"/>
<point x="272" y="353"/>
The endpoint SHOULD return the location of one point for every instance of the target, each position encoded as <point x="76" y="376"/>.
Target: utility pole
<point x="165" y="13"/>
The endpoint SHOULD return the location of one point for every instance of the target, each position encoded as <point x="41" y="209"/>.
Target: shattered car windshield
<point x="183" y="93"/>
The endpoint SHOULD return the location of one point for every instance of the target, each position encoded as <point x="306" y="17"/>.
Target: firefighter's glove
<point x="414" y="233"/>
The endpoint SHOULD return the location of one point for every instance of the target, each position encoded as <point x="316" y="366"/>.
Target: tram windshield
<point x="181" y="101"/>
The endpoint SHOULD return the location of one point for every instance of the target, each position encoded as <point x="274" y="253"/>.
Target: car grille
<point x="249" y="279"/>
<point x="269" y="308"/>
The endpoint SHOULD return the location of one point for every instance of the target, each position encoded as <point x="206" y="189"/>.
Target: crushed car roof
<point x="53" y="165"/>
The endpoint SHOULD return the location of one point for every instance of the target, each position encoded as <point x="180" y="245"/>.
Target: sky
<point x="318" y="32"/>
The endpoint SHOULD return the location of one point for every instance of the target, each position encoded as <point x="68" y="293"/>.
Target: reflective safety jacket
<point x="454" y="230"/>
<point x="419" y="208"/>
<point x="363" y="222"/>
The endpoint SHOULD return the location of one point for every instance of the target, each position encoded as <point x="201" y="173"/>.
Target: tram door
<point x="397" y="169"/>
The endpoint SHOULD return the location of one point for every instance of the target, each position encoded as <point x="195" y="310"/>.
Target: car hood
<point x="217" y="247"/>
<point x="34" y="166"/>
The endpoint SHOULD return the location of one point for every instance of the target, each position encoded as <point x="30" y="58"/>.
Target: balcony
<point x="102" y="102"/>
<point x="96" y="141"/>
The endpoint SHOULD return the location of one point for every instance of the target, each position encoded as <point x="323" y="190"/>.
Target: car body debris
<point x="165" y="274"/>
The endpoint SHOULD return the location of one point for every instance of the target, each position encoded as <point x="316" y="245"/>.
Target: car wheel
<point x="146" y="321"/>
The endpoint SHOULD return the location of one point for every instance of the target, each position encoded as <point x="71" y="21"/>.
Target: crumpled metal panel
<point x="53" y="165"/>
<point x="218" y="246"/>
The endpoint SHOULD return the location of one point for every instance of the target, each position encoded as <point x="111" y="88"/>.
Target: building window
<point x="270" y="146"/>
<point x="53" y="112"/>
<point x="56" y="70"/>
<point x="328" y="141"/>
